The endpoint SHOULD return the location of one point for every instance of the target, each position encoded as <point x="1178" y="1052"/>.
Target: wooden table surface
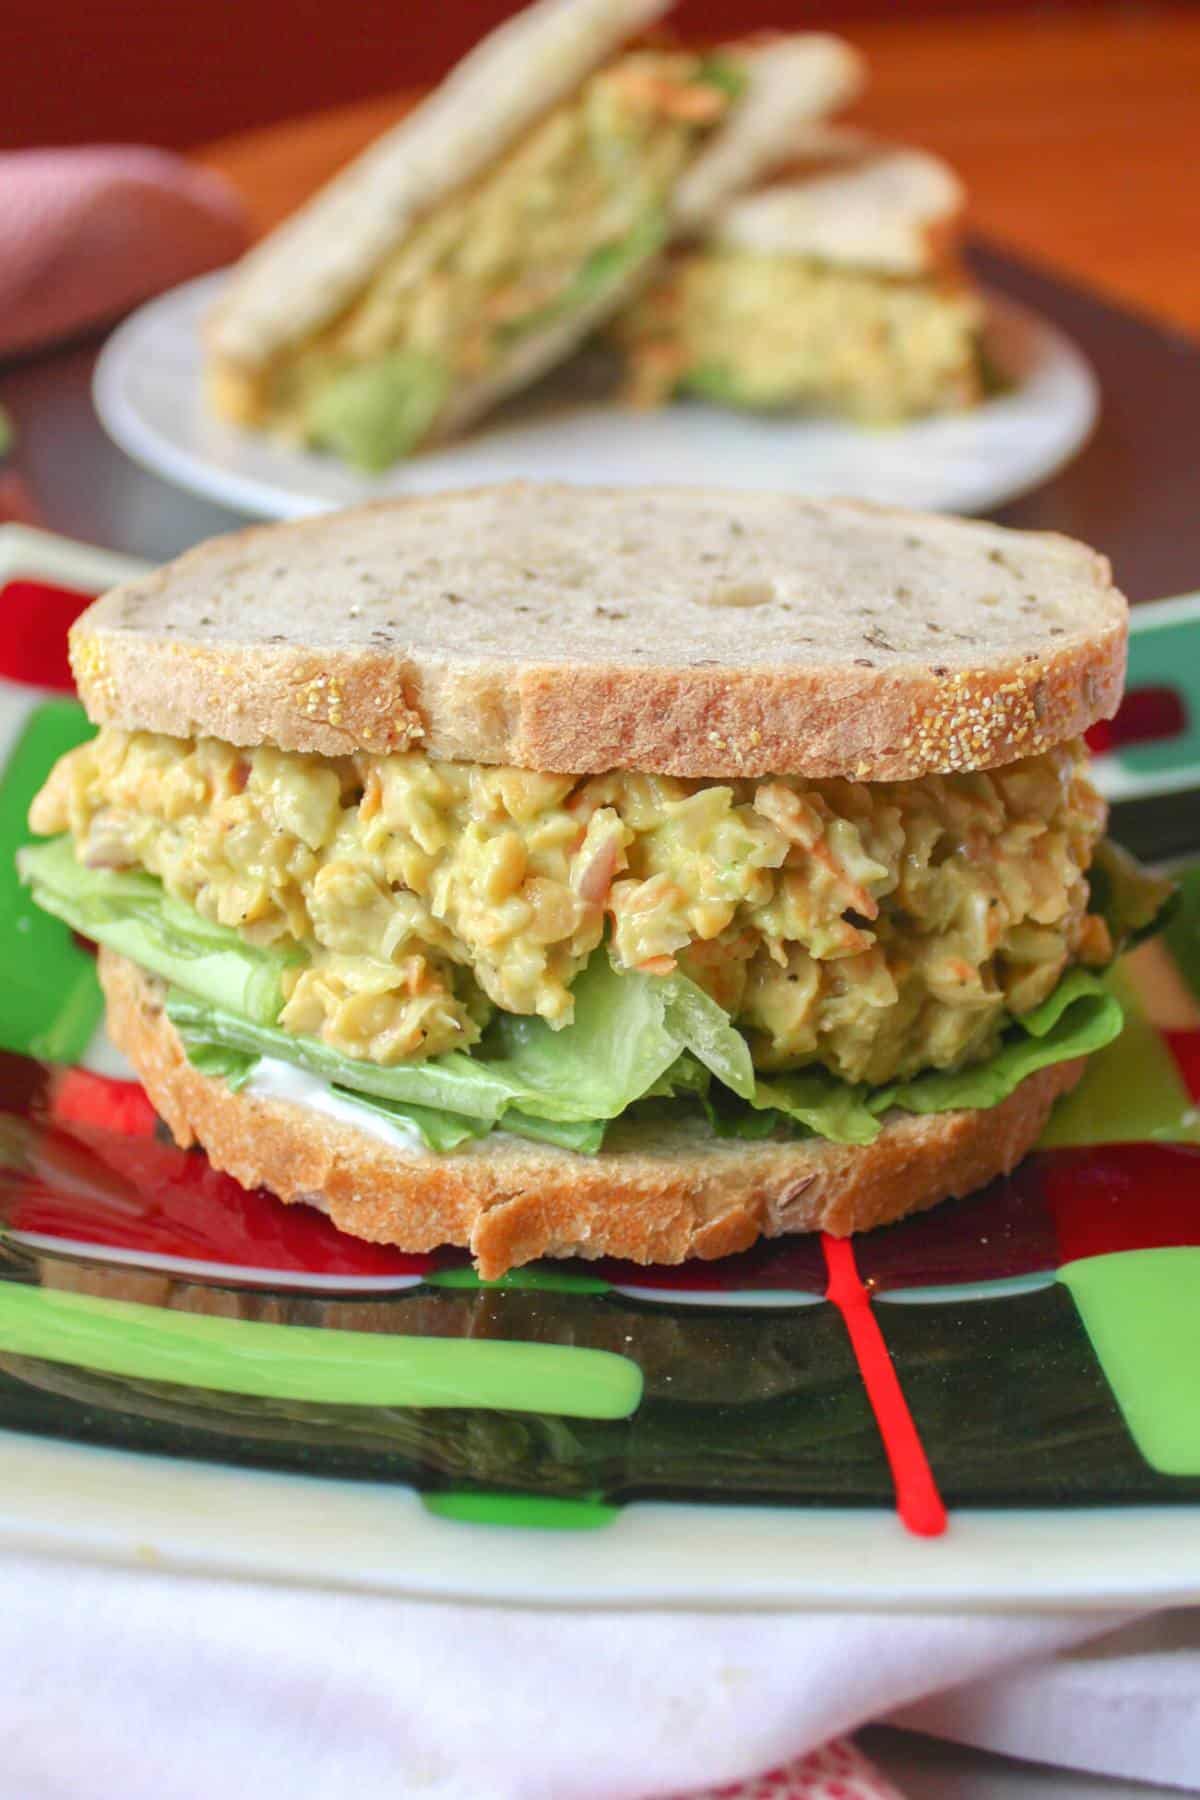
<point x="1078" y="136"/>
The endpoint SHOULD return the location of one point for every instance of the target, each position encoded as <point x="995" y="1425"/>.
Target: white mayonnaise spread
<point x="273" y="1079"/>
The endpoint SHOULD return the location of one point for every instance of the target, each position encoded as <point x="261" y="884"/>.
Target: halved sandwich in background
<point x="835" y="287"/>
<point x="476" y="244"/>
<point x="576" y="871"/>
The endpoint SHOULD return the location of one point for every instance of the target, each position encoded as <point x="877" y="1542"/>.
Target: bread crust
<point x="657" y="1195"/>
<point x="688" y="632"/>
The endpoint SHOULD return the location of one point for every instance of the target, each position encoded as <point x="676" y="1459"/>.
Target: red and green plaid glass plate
<point x="996" y="1403"/>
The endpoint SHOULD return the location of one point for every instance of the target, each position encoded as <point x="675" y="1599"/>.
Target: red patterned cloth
<point x="836" y="1772"/>
<point x="84" y="234"/>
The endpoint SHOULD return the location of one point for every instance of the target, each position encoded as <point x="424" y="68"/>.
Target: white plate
<point x="116" y="1506"/>
<point x="148" y="393"/>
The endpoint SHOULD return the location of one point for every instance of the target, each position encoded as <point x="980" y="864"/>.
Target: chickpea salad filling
<point x="470" y="948"/>
<point x="768" y="332"/>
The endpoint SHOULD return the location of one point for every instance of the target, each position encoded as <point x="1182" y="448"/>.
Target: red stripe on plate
<point x="918" y="1502"/>
<point x="1185" y="1048"/>
<point x="1147" y="715"/>
<point x="34" y="621"/>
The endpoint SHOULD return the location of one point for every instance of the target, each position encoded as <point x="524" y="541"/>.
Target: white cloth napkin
<point x="1126" y="1704"/>
<point x="160" y="1687"/>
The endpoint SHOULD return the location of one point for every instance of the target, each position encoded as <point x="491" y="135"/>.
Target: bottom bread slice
<point x="656" y="1193"/>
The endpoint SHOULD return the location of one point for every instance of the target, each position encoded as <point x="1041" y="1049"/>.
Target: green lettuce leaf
<point x="685" y="1076"/>
<point x="228" y="994"/>
<point x="708" y="1033"/>
<point x="375" y="412"/>
<point x="442" y="1084"/>
<point x="233" y="1067"/>
<point x="128" y="911"/>
<point x="444" y="1131"/>
<point x="1131" y="901"/>
<point x="618" y="1045"/>
<point x="440" y="1131"/>
<point x="723" y="385"/>
<point x="635" y="1038"/>
<point x="1080" y="1016"/>
<point x="749" y="1124"/>
<point x="1183" y="929"/>
<point x="823" y="1104"/>
<point x="583" y="1135"/>
<point x="599" y="272"/>
<point x="617" y="1048"/>
<point x="725" y="73"/>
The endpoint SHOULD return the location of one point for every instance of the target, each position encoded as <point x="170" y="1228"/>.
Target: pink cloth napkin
<point x="86" y="233"/>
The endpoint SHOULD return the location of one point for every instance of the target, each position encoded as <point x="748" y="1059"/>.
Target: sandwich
<point x="836" y="287"/>
<point x="475" y="244"/>
<point x="559" y="871"/>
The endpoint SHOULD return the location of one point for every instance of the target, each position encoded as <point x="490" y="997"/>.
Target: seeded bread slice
<point x="653" y="1195"/>
<point x="694" y="632"/>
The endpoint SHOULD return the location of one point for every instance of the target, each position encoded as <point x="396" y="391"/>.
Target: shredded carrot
<point x="658" y="965"/>
<point x="698" y="104"/>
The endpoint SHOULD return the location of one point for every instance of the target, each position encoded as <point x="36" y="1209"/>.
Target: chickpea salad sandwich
<point x="835" y="286"/>
<point x="478" y="242"/>
<point x="561" y="871"/>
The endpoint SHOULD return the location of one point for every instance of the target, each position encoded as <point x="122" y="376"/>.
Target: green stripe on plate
<point x="536" y="1512"/>
<point x="1168" y="655"/>
<point x="537" y="1276"/>
<point x="303" y="1362"/>
<point x="1140" y="1310"/>
<point x="52" y="1000"/>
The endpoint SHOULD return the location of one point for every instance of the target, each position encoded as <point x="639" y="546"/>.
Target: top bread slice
<point x="687" y="631"/>
<point x="848" y="200"/>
